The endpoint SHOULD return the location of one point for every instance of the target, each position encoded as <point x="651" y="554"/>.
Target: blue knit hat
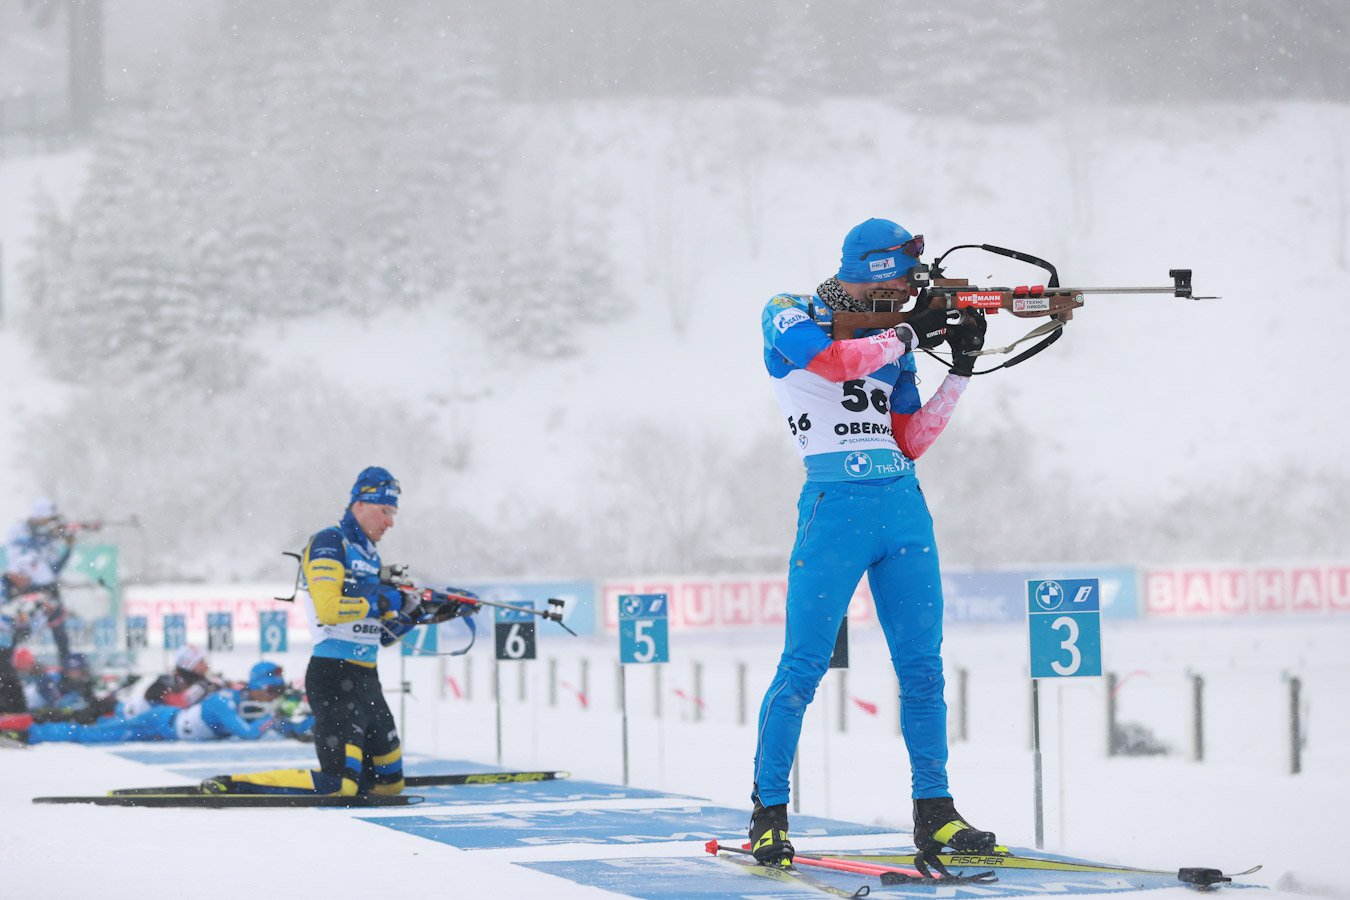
<point x="376" y="485"/>
<point x="876" y="251"/>
<point x="264" y="675"/>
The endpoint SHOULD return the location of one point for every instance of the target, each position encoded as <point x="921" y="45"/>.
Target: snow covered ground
<point x="1239" y="807"/>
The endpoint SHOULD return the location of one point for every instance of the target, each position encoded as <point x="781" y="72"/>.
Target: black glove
<point x="444" y="612"/>
<point x="385" y="598"/>
<point x="928" y="323"/>
<point x="965" y="338"/>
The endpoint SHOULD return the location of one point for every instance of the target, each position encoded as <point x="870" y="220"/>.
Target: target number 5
<point x="646" y="643"/>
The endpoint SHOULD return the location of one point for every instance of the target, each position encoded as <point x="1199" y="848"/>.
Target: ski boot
<point x="769" y="835"/>
<point x="14" y="737"/>
<point x="220" y="784"/>
<point x="937" y="824"/>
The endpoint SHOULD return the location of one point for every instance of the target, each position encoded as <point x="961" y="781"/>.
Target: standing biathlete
<point x="43" y="542"/>
<point x="854" y="409"/>
<point x="352" y="613"/>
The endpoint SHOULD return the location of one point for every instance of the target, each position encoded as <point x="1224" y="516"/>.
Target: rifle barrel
<point x="1113" y="290"/>
<point x="1051" y="291"/>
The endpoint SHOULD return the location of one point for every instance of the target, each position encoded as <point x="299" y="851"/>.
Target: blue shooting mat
<point x="185" y="754"/>
<point x="670" y="878"/>
<point x="548" y="827"/>
<point x="563" y="790"/>
<point x="226" y="757"/>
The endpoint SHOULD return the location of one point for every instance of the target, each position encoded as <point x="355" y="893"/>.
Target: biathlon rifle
<point x="441" y="605"/>
<point x="71" y="528"/>
<point x="964" y="300"/>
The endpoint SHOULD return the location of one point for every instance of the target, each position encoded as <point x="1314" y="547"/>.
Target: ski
<point x="484" y="778"/>
<point x="412" y="781"/>
<point x="241" y="801"/>
<point x="1200" y="876"/>
<point x="791" y="875"/>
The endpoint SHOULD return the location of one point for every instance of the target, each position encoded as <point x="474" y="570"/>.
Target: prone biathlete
<point x="853" y="408"/>
<point x="217" y="717"/>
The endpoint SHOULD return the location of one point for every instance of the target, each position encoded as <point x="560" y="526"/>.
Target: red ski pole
<point x="824" y="862"/>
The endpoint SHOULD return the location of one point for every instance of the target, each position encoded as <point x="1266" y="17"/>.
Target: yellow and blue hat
<point x="376" y="485"/>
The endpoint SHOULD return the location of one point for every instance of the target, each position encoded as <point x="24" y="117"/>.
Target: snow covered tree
<point x="44" y="272"/>
<point x="794" y="57"/>
<point x="979" y="59"/>
<point x="290" y="170"/>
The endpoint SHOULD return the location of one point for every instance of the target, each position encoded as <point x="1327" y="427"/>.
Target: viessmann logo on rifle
<point x="980" y="299"/>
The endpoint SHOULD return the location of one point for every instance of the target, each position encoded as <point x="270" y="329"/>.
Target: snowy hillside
<point x="515" y="461"/>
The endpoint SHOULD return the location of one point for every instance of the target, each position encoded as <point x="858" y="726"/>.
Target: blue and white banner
<point x="1000" y="596"/>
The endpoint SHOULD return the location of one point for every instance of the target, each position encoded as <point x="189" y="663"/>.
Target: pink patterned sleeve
<point x="916" y="432"/>
<point x="845" y="360"/>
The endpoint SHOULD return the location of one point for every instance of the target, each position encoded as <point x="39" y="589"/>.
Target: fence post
<point x="658" y="689"/>
<point x="796" y="784"/>
<point x="698" y="692"/>
<point x="618" y="685"/>
<point x="1295" y="731"/>
<point x="843" y="700"/>
<point x="740" y="693"/>
<point x="585" y="680"/>
<point x="468" y="678"/>
<point x="553" y="681"/>
<point x="1111" y="742"/>
<point x="962" y="704"/>
<point x="1198" y="716"/>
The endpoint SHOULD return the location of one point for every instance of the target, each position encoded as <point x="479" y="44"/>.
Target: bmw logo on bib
<point x="858" y="464"/>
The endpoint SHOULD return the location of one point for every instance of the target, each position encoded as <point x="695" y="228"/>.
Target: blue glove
<point x="384" y="599"/>
<point x="396" y="628"/>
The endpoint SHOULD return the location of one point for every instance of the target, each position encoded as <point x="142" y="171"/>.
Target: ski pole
<point x="823" y="862"/>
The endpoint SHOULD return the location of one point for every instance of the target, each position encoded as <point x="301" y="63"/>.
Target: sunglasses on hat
<point x="391" y="486"/>
<point x="913" y="248"/>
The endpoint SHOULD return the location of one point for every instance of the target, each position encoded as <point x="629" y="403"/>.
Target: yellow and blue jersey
<point x="340" y="575"/>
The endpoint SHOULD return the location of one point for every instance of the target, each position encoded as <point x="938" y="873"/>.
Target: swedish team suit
<point x="861" y="511"/>
<point x="355" y="735"/>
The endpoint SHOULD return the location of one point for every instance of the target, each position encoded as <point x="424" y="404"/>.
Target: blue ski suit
<point x="861" y="511"/>
<point x="215" y="718"/>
